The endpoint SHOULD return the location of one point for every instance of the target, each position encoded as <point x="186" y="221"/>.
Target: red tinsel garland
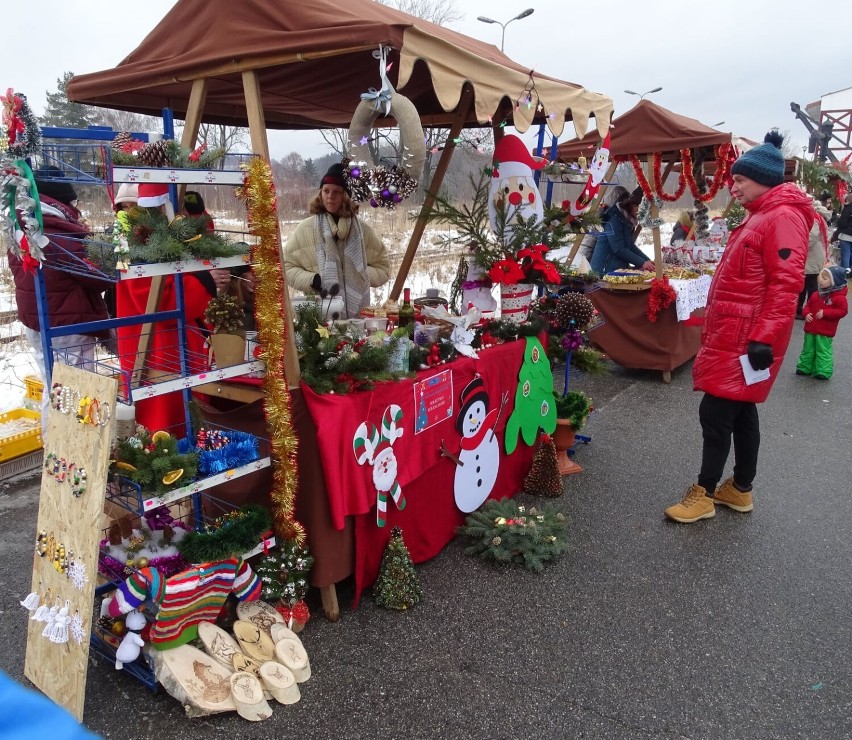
<point x="662" y="296"/>
<point x="724" y="158"/>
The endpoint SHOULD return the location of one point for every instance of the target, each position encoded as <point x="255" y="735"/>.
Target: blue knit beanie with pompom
<point x="765" y="163"/>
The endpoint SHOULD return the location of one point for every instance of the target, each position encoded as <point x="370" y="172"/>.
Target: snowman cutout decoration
<point x="478" y="462"/>
<point x="513" y="188"/>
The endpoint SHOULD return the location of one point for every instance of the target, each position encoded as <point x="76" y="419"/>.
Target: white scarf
<point x="340" y="242"/>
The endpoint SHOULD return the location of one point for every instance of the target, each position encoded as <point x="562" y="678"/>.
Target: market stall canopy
<point x="645" y="129"/>
<point x="313" y="60"/>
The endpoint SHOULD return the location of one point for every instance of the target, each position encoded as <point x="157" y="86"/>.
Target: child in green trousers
<point x="823" y="312"/>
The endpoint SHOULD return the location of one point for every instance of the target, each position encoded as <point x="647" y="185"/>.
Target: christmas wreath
<point x="20" y="136"/>
<point x="384" y="187"/>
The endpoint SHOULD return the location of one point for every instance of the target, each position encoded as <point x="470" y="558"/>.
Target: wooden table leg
<point x="329" y="602"/>
<point x="667" y="376"/>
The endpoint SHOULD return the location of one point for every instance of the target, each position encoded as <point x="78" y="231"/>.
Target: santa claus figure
<point x="597" y="170"/>
<point x="513" y="189"/>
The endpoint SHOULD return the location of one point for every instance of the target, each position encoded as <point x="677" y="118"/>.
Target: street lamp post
<point x="642" y="95"/>
<point x="524" y="14"/>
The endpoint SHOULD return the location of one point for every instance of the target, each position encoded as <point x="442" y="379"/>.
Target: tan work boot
<point x="695" y="505"/>
<point x="728" y="495"/>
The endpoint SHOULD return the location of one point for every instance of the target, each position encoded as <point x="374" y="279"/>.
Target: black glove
<point x="316" y="283"/>
<point x="760" y="355"/>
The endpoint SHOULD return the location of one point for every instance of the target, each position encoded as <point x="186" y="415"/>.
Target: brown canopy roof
<point x="645" y="129"/>
<point x="313" y="60"/>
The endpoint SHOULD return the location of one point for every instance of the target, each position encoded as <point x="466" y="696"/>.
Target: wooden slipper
<point x="196" y="679"/>
<point x="278" y="681"/>
<point x="260" y="613"/>
<point x="248" y="697"/>
<point x="281" y="631"/>
<point x="218" y="643"/>
<point x="291" y="654"/>
<point x="253" y="641"/>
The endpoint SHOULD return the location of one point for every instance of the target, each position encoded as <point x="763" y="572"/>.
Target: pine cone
<point x="576" y="307"/>
<point x="121" y="140"/>
<point x="154" y="154"/>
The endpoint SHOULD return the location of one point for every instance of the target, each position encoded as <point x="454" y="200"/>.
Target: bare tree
<point x="439" y="12"/>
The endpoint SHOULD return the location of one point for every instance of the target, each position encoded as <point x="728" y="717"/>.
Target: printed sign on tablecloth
<point x="433" y="399"/>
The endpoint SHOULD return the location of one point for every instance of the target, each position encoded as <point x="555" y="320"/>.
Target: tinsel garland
<point x="20" y="135"/>
<point x="644" y="214"/>
<point x="724" y="157"/>
<point x="258" y="193"/>
<point x="662" y="296"/>
<point x="241" y="449"/>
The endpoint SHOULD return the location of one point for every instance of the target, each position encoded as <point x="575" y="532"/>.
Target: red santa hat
<point x="513" y="159"/>
<point x="153" y="194"/>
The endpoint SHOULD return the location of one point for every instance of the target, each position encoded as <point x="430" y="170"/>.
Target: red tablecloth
<point x="430" y="517"/>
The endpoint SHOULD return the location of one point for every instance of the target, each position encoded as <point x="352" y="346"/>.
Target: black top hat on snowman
<point x="472" y="393"/>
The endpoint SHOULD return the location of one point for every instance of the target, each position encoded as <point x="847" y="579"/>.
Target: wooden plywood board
<point x="59" y="670"/>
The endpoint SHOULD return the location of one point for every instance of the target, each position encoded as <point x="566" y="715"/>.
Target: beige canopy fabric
<point x="314" y="59"/>
<point x="647" y="128"/>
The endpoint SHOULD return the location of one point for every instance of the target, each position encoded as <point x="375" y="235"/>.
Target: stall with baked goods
<point x="648" y="316"/>
<point x="278" y="66"/>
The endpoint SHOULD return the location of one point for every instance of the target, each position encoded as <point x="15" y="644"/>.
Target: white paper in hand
<point x="751" y="375"/>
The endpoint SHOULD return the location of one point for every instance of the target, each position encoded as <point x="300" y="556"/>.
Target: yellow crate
<point x="34" y="388"/>
<point x="21" y="443"/>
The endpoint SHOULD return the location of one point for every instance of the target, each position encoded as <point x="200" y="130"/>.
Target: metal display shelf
<point x="177" y="176"/>
<point x="129" y="496"/>
<point x="171" y="268"/>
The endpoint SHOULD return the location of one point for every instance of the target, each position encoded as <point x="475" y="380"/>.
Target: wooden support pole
<point x="655" y="231"/>
<point x="260" y="147"/>
<point x="194" y="112"/>
<point x="434" y="186"/>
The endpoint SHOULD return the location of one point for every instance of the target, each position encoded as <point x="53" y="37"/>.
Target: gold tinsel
<point x="258" y="193"/>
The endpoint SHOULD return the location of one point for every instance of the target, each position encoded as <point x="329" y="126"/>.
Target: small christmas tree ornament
<point x="544" y="478"/>
<point x="397" y="586"/>
<point x="284" y="576"/>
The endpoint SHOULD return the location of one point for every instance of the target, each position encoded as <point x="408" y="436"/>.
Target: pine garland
<point x="151" y="239"/>
<point x="397" y="586"/>
<point x="505" y="532"/>
<point x="126" y="154"/>
<point x="229" y="536"/>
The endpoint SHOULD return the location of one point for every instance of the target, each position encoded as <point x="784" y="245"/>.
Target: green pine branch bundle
<point x="397" y="586"/>
<point x="148" y="462"/>
<point x="229" y="536"/>
<point x="506" y="532"/>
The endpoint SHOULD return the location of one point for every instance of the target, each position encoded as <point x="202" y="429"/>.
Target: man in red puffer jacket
<point x="750" y="312"/>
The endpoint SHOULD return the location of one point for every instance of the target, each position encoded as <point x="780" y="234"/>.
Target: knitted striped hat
<point x="764" y="164"/>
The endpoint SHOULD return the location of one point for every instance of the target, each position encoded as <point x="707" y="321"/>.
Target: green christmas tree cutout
<point x="534" y="407"/>
<point x="397" y="586"/>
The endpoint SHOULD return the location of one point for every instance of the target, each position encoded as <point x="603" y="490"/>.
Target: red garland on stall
<point x="725" y="155"/>
<point x="662" y="296"/>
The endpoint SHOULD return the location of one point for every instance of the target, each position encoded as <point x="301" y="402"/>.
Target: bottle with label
<point x="406" y="311"/>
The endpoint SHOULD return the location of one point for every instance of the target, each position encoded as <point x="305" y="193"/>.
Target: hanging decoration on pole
<point x="20" y="208"/>
<point x="597" y="170"/>
<point x="379" y="185"/>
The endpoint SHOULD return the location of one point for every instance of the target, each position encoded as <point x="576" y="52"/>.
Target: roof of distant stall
<point x="314" y="59"/>
<point x="647" y="128"/>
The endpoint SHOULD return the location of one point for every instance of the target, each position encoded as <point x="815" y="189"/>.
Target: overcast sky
<point x="738" y="62"/>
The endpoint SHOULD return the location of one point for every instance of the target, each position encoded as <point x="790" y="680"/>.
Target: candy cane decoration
<point x="376" y="448"/>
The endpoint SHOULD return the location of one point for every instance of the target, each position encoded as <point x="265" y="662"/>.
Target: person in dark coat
<point x="615" y="248"/>
<point x="843" y="234"/>
<point x="72" y="297"/>
<point x="749" y="318"/>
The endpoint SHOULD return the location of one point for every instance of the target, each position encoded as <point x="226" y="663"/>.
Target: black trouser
<point x="720" y="419"/>
<point x="811" y="286"/>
